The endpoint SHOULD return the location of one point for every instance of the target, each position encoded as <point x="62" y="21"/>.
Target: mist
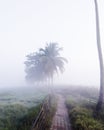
<point x="50" y="74"/>
<point x="25" y="26"/>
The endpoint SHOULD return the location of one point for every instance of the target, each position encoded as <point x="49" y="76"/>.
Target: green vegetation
<point x="46" y="114"/>
<point x="17" y="117"/>
<point x="19" y="107"/>
<point x="53" y="105"/>
<point x="25" y="123"/>
<point x="82" y="119"/>
<point x="81" y="105"/>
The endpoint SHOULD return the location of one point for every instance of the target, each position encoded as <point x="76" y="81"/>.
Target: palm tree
<point x="101" y="93"/>
<point x="53" y="63"/>
<point x="42" y="65"/>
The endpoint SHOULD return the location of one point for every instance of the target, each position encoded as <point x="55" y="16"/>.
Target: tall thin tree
<point x="101" y="93"/>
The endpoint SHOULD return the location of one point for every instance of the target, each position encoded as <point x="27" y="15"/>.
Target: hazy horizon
<point x="26" y="26"/>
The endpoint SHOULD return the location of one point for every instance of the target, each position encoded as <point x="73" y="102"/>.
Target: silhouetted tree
<point x="101" y="93"/>
<point x="52" y="61"/>
<point x="34" y="68"/>
<point x="42" y="65"/>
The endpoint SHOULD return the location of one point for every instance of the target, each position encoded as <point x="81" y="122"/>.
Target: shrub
<point x="81" y="119"/>
<point x="17" y="117"/>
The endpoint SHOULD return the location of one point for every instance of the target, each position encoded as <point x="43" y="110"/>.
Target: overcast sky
<point x="26" y="25"/>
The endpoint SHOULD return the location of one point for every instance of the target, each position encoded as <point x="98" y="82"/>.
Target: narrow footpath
<point x="61" y="120"/>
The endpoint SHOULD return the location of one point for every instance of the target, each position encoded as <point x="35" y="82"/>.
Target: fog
<point x="25" y="26"/>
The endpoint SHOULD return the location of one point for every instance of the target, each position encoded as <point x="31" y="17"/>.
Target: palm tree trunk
<point x="101" y="93"/>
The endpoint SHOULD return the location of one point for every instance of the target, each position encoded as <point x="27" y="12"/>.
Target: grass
<point x="19" y="107"/>
<point x="81" y="111"/>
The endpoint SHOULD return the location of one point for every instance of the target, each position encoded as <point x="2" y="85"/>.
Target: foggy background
<point x="26" y="25"/>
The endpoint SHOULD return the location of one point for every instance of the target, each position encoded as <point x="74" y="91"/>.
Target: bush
<point x="17" y="117"/>
<point x="81" y="104"/>
<point x="25" y="122"/>
<point x="81" y="114"/>
<point x="81" y="119"/>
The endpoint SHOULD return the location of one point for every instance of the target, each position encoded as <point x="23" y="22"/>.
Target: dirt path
<point x="60" y="120"/>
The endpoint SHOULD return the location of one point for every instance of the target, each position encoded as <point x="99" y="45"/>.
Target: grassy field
<point x="20" y="106"/>
<point x="81" y="104"/>
<point x="24" y="95"/>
